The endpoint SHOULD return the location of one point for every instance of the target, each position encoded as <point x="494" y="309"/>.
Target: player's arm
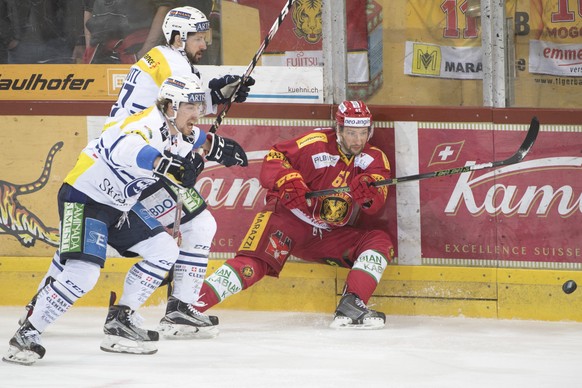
<point x="371" y="198"/>
<point x="280" y="174"/>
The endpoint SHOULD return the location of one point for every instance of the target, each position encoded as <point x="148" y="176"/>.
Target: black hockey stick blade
<point x="528" y="142"/>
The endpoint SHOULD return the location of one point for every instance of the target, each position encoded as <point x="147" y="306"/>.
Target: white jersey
<point x="115" y="168"/>
<point x="142" y="84"/>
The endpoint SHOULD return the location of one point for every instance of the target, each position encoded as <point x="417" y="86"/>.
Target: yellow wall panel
<point x="438" y="291"/>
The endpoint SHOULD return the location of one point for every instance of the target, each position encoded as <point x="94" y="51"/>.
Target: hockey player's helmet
<point x="183" y="89"/>
<point x="184" y="20"/>
<point x="355" y="114"/>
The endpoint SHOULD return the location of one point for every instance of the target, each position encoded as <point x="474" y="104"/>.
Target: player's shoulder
<point x="148" y="116"/>
<point x="374" y="150"/>
<point x="161" y="57"/>
<point x="376" y="153"/>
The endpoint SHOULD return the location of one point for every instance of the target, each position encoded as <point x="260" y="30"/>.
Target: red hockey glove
<point x="292" y="190"/>
<point x="369" y="197"/>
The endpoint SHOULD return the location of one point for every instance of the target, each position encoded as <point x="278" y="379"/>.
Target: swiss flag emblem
<point x="446" y="153"/>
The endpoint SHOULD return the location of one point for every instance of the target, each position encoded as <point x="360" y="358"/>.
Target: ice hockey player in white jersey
<point x="187" y="33"/>
<point x="186" y="30"/>
<point x="98" y="205"/>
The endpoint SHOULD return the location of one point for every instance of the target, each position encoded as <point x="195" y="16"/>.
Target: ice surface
<point x="266" y="349"/>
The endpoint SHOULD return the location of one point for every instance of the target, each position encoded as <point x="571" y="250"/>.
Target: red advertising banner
<point x="527" y="214"/>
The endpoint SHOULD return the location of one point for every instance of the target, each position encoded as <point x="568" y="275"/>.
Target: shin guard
<point x="232" y="277"/>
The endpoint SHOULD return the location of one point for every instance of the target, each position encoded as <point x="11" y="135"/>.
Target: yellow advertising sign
<point x="61" y="82"/>
<point x="426" y="59"/>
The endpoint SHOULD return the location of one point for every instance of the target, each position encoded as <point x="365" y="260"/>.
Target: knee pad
<point x="79" y="277"/>
<point x="379" y="241"/>
<point x="160" y="250"/>
<point x="197" y="234"/>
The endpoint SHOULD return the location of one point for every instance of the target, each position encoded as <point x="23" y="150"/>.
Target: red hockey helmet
<point x="354" y="114"/>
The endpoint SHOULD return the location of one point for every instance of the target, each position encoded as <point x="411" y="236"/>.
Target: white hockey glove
<point x="226" y="152"/>
<point x="184" y="169"/>
<point x="222" y="88"/>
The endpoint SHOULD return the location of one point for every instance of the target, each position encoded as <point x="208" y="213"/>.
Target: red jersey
<point x="317" y="157"/>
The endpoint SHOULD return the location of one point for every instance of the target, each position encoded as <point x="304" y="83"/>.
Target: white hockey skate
<point x="183" y="321"/>
<point x="122" y="334"/>
<point x="25" y="347"/>
<point x="352" y="313"/>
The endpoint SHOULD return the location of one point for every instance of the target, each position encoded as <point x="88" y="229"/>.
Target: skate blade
<point x="22" y="357"/>
<point x="115" y="344"/>
<point x="368" y="324"/>
<point x="175" y="331"/>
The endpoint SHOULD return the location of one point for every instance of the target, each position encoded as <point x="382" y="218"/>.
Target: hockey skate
<point x="122" y="334"/>
<point x="352" y="313"/>
<point x="25" y="347"/>
<point x="183" y="321"/>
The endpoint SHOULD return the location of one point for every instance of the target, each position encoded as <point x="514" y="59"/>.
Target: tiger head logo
<point x="307" y="20"/>
<point x="335" y="209"/>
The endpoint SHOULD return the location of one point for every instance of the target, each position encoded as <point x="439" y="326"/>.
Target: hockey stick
<point x="175" y="231"/>
<point x="253" y="63"/>
<point x="530" y="138"/>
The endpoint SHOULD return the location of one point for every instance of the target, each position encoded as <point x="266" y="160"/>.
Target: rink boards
<point x="493" y="243"/>
<point x="404" y="290"/>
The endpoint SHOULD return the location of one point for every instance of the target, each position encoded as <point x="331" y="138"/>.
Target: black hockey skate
<point x="122" y="334"/>
<point x="25" y="347"/>
<point x="352" y="313"/>
<point x="182" y="320"/>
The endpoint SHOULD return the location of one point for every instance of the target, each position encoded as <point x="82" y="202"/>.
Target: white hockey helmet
<point x="184" y="20"/>
<point x="183" y="89"/>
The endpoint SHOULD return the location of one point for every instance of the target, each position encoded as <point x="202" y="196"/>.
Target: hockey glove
<point x="226" y="151"/>
<point x="191" y="169"/>
<point x="221" y="89"/>
<point x="292" y="190"/>
<point x="184" y="169"/>
<point x="368" y="196"/>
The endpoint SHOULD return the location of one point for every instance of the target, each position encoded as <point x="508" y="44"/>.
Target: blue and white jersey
<point x="115" y="168"/>
<point x="142" y="84"/>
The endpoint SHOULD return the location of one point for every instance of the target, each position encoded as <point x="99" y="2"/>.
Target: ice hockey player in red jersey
<point x="317" y="230"/>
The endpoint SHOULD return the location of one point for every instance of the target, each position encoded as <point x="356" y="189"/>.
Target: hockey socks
<point x="189" y="273"/>
<point x="230" y="278"/>
<point x="141" y="281"/>
<point x="366" y="274"/>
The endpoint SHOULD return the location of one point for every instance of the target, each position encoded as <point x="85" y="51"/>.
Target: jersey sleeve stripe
<point x="146" y="157"/>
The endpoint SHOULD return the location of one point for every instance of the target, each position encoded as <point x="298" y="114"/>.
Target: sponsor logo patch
<point x="251" y="240"/>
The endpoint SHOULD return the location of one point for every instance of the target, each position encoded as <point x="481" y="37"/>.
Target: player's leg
<point x="145" y="236"/>
<point x="55" y="268"/>
<point x="367" y="254"/>
<point x="263" y="251"/>
<point x="84" y="256"/>
<point x="235" y="275"/>
<point x="181" y="319"/>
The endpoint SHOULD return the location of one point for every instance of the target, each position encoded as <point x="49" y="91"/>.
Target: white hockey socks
<point x="54" y="270"/>
<point x="77" y="278"/>
<point x="140" y="282"/>
<point x="189" y="273"/>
